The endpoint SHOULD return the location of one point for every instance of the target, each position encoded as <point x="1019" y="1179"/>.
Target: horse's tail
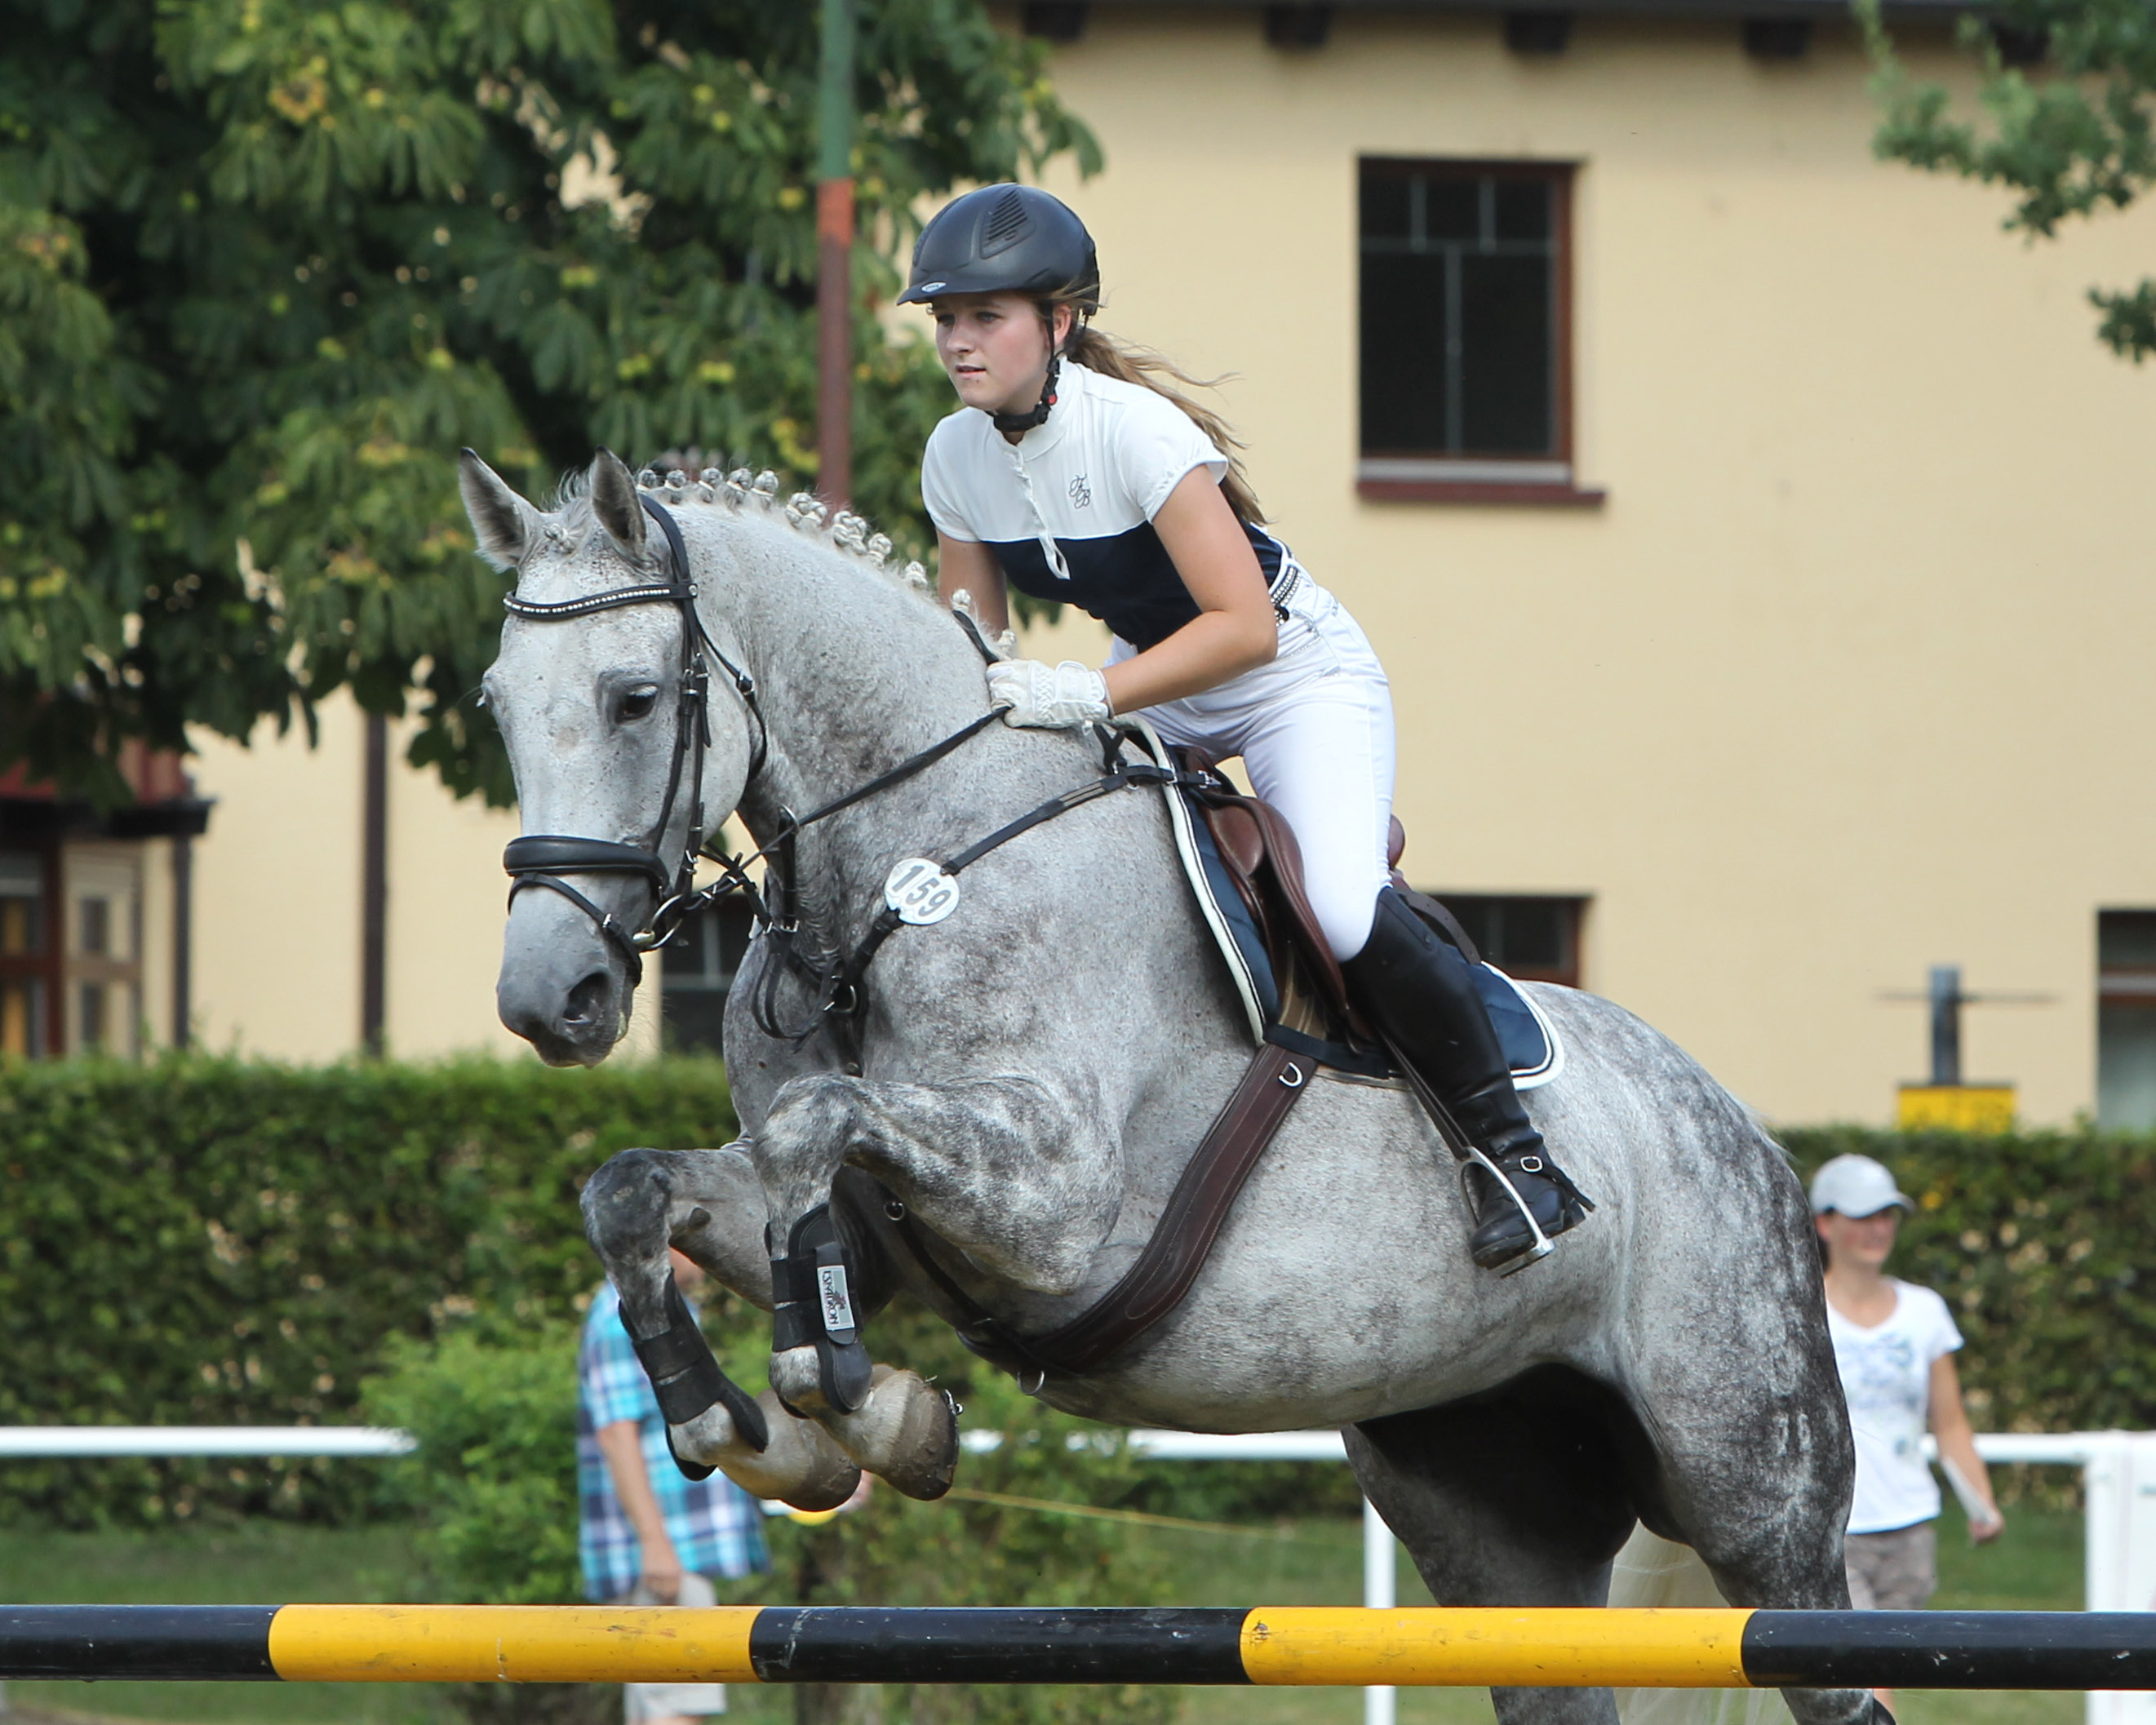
<point x="1655" y="1572"/>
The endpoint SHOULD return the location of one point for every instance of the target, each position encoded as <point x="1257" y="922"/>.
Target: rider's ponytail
<point x="1097" y="351"/>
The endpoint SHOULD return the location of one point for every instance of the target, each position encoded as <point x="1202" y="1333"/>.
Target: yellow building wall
<point x="1849" y="676"/>
<point x="277" y="904"/>
<point x="1846" y="678"/>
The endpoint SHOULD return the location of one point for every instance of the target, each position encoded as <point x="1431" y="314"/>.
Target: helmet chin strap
<point x="1037" y="413"/>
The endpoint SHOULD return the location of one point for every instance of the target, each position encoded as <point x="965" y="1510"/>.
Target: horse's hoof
<point x="800" y="1464"/>
<point x="906" y="1431"/>
<point x="710" y="1438"/>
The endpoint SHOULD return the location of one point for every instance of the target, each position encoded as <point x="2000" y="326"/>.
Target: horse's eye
<point x="638" y="703"/>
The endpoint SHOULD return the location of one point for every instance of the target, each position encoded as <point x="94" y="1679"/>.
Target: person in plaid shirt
<point x="646" y="1535"/>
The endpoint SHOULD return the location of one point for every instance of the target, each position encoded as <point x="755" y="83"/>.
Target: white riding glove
<point x="1050" y="697"/>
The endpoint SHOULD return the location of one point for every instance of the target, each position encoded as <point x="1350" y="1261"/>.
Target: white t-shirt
<point x="1887" y="1375"/>
<point x="1068" y="509"/>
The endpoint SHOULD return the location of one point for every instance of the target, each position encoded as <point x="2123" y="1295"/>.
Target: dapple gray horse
<point x="1035" y="1070"/>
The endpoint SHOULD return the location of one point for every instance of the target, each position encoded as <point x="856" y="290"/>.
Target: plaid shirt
<point x="715" y="1526"/>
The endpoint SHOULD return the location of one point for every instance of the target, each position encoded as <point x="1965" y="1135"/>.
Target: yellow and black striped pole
<point x="1301" y="1645"/>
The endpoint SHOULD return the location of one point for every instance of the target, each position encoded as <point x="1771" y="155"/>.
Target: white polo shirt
<point x="1068" y="509"/>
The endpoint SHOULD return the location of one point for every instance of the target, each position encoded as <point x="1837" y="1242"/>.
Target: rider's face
<point x="995" y="348"/>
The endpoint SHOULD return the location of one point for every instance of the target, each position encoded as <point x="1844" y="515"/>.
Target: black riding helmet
<point x="1003" y="238"/>
<point x="1009" y="239"/>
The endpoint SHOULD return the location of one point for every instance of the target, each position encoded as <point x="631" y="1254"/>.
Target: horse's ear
<point x="503" y="522"/>
<point x="614" y="501"/>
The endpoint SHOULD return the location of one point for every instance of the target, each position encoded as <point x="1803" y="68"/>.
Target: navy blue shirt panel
<point x="1127" y="580"/>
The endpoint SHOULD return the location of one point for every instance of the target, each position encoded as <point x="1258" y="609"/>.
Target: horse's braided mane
<point x="743" y="494"/>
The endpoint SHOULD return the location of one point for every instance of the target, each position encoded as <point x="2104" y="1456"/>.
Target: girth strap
<point x="1156" y="1283"/>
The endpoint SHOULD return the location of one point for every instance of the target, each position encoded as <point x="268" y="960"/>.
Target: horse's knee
<point x="625" y="1206"/>
<point x="802" y="1142"/>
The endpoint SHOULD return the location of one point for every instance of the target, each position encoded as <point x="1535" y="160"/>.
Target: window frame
<point x="707" y="930"/>
<point x="1406" y="476"/>
<point x="1572" y="907"/>
<point x="2125" y="995"/>
<point x="110" y="871"/>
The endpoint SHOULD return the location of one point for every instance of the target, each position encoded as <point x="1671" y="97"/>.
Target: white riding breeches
<point x="1315" y="730"/>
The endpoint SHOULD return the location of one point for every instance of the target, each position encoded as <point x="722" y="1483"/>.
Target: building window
<point x="105" y="948"/>
<point x="698" y="974"/>
<point x="1534" y="939"/>
<point x="1465" y="319"/>
<point x="25" y="965"/>
<point x="2126" y="1020"/>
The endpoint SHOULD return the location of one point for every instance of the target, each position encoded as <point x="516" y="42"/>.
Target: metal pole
<point x="1377" y="1596"/>
<point x="1946" y="1024"/>
<point x="835" y="242"/>
<point x="374" y="887"/>
<point x="183" y="939"/>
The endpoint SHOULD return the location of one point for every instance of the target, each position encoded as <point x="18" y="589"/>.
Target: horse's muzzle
<point x="562" y="988"/>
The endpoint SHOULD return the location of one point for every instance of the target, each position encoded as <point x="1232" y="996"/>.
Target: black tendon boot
<point x="1419" y="991"/>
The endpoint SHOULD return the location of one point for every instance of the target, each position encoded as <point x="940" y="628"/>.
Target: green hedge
<point x="2043" y="1245"/>
<point x="204" y="1241"/>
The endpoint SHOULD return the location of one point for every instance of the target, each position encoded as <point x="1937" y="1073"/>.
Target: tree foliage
<point x="265" y="265"/>
<point x="2072" y="139"/>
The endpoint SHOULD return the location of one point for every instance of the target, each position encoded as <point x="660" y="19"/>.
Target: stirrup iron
<point x="1543" y="1245"/>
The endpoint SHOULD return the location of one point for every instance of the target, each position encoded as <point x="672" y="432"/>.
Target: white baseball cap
<point x="1855" y="1185"/>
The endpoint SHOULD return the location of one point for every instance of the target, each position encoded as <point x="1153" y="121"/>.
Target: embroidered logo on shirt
<point x="1081" y="494"/>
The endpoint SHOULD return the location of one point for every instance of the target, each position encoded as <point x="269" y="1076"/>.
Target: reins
<point x="543" y="858"/>
<point x="838" y="985"/>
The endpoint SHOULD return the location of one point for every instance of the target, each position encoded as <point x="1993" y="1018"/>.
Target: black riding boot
<point x="1419" y="991"/>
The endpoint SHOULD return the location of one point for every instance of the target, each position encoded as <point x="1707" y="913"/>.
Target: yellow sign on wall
<point x="1956" y="1108"/>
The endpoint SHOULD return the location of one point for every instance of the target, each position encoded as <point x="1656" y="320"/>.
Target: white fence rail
<point x="59" y="1442"/>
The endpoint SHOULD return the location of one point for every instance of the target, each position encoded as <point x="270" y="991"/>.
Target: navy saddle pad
<point x="1529" y="1040"/>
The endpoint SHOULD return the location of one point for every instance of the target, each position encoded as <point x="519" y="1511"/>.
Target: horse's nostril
<point x="587" y="1001"/>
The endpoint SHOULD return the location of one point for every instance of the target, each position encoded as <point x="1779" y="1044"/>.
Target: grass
<point x="2036" y="1566"/>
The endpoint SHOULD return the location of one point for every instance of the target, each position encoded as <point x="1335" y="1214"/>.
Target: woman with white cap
<point x="1895" y="1343"/>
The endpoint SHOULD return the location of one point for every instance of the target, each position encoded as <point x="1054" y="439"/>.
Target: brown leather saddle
<point x="1258" y="849"/>
<point x="1260" y="856"/>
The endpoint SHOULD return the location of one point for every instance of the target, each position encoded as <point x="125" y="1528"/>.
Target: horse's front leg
<point x="1003" y="1167"/>
<point x="710" y="1203"/>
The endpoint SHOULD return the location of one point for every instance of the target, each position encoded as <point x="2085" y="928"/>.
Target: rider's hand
<point x="1051" y="697"/>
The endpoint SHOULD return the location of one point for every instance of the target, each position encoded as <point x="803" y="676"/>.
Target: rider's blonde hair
<point x="1098" y="351"/>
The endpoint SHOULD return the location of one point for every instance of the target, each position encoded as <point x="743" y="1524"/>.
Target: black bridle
<point x="541" y="859"/>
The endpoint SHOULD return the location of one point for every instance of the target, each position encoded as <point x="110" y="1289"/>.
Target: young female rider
<point x="1071" y="473"/>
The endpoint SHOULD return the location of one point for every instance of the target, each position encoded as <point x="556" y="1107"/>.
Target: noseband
<point x="541" y="859"/>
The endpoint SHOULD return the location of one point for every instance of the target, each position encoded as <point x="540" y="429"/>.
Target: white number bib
<point x="920" y="891"/>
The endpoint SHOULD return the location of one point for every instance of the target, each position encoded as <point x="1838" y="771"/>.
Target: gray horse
<point x="1033" y="1070"/>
